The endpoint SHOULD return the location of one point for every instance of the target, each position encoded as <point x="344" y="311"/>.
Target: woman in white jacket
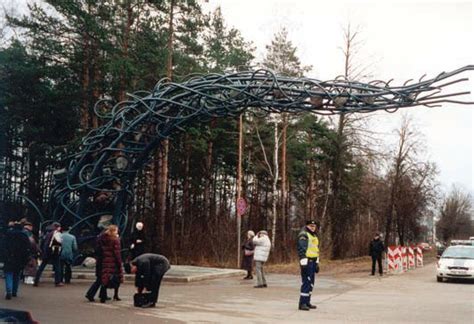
<point x="262" y="250"/>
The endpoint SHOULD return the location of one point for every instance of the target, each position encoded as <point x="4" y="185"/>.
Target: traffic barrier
<point x="402" y="258"/>
<point x="394" y="259"/>
<point x="411" y="257"/>
<point x="419" y="256"/>
<point x="403" y="250"/>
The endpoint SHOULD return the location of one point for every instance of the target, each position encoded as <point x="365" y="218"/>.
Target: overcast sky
<point x="401" y="40"/>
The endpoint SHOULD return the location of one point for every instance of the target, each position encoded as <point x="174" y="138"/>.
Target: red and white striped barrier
<point x="402" y="258"/>
<point x="419" y="256"/>
<point x="411" y="257"/>
<point x="394" y="259"/>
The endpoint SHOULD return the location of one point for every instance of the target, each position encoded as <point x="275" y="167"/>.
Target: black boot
<point x="304" y="307"/>
<point x="311" y="306"/>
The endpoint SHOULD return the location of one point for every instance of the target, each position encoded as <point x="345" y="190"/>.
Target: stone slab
<point x="177" y="273"/>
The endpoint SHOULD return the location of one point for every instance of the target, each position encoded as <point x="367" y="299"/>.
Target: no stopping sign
<point x="241" y="206"/>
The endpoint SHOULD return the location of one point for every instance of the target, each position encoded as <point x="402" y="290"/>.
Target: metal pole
<point x="239" y="187"/>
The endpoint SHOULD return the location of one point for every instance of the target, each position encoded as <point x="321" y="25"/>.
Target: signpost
<point x="241" y="206"/>
<point x="239" y="185"/>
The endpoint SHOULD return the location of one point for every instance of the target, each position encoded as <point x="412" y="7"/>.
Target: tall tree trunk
<point x="284" y="184"/>
<point x="274" y="185"/>
<point x="337" y="221"/>
<point x="391" y="213"/>
<point x="186" y="194"/>
<point x="174" y="207"/>
<point x="125" y="46"/>
<point x="208" y="176"/>
<point x="85" y="80"/>
<point x="239" y="185"/>
<point x="95" y="81"/>
<point x="162" y="171"/>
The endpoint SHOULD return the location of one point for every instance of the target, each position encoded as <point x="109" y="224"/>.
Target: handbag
<point x="127" y="267"/>
<point x="114" y="281"/>
<point x="248" y="252"/>
<point x="140" y="299"/>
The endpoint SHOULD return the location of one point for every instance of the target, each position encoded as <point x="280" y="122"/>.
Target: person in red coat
<point x="111" y="269"/>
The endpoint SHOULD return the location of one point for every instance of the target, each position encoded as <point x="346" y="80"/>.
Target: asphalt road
<point x="413" y="297"/>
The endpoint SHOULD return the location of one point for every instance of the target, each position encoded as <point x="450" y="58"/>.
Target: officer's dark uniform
<point x="376" y="249"/>
<point x="308" y="252"/>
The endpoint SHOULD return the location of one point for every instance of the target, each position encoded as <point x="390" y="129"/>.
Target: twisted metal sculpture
<point x="99" y="178"/>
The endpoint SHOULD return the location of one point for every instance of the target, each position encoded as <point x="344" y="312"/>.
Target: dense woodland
<point x="58" y="60"/>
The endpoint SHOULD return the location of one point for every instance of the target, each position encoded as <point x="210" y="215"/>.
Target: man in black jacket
<point x="375" y="251"/>
<point x="137" y="247"/>
<point x="17" y="252"/>
<point x="90" y="294"/>
<point x="149" y="270"/>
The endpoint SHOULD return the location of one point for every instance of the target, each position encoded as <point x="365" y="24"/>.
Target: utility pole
<point x="239" y="187"/>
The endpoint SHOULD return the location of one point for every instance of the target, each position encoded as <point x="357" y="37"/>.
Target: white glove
<point x="304" y="262"/>
<point x="317" y="260"/>
<point x="132" y="246"/>
<point x="139" y="241"/>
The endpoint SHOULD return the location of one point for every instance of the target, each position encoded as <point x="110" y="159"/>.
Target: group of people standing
<point x="148" y="268"/>
<point x="257" y="249"/>
<point x="58" y="247"/>
<point x="21" y="251"/>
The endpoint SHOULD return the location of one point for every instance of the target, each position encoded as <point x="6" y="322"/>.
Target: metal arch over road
<point x="99" y="179"/>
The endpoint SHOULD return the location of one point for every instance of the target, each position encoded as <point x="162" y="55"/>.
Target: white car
<point x="456" y="262"/>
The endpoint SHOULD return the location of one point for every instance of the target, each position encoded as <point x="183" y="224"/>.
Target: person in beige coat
<point x="262" y="251"/>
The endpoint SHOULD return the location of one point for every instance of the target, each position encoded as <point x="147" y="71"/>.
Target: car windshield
<point x="456" y="252"/>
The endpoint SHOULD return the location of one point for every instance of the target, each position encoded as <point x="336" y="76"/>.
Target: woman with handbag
<point x="111" y="270"/>
<point x="247" y="260"/>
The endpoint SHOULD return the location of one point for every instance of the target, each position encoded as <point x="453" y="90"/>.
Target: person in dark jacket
<point x="92" y="291"/>
<point x="50" y="252"/>
<point x="376" y="249"/>
<point x="32" y="266"/>
<point x="308" y="253"/>
<point x="149" y="270"/>
<point x="17" y="254"/>
<point x="249" y="249"/>
<point x="111" y="269"/>
<point x="137" y="246"/>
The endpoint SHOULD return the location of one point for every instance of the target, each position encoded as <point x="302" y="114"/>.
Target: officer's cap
<point x="312" y="222"/>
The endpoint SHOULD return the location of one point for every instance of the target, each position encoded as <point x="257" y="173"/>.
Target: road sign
<point x="241" y="206"/>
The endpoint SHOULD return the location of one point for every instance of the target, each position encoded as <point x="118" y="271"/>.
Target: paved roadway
<point x="414" y="297"/>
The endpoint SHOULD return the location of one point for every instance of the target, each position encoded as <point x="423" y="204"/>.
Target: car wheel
<point x="439" y="279"/>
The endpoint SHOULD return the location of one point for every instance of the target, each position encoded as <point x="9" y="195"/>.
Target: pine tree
<point x="40" y="114"/>
<point x="282" y="59"/>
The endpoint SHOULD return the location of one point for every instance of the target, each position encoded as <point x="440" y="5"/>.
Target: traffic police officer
<point x="308" y="252"/>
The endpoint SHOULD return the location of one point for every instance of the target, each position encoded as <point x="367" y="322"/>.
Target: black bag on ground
<point x="141" y="299"/>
